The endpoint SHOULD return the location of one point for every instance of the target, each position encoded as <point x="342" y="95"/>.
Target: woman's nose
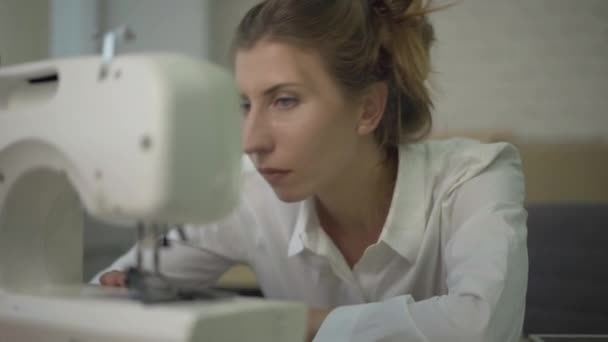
<point x="256" y="134"/>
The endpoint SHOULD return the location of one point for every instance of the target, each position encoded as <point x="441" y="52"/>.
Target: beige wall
<point x="24" y="31"/>
<point x="537" y="68"/>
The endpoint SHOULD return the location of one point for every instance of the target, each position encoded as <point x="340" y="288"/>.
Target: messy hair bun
<point x="405" y="37"/>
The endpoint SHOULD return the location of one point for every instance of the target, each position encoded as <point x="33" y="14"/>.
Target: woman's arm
<point x="210" y="249"/>
<point x="200" y="260"/>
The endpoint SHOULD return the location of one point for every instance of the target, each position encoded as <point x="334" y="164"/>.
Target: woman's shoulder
<point x="452" y="162"/>
<point x="468" y="152"/>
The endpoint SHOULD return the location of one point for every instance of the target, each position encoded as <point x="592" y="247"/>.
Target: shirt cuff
<point x="382" y="321"/>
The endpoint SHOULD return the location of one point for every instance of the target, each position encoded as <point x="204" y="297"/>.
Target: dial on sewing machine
<point x="147" y="140"/>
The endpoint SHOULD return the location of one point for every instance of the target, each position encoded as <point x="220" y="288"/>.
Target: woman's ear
<point x="373" y="105"/>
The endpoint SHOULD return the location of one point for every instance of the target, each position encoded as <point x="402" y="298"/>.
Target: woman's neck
<point x="358" y="201"/>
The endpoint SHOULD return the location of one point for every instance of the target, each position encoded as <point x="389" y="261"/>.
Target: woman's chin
<point x="289" y="195"/>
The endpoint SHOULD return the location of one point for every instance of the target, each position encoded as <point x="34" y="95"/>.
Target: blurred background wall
<point x="178" y="25"/>
<point x="24" y="31"/>
<point x="535" y="68"/>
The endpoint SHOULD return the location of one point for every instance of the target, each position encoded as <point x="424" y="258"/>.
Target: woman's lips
<point x="274" y="176"/>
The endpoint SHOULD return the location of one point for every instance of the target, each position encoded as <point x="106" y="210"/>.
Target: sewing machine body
<point x="153" y="139"/>
<point x="95" y="314"/>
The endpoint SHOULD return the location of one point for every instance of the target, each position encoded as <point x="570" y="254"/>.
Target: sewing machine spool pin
<point x="110" y="42"/>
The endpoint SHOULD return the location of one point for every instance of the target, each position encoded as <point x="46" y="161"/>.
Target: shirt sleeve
<point x="487" y="266"/>
<point x="206" y="254"/>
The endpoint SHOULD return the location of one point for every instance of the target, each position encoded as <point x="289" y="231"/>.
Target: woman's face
<point x="298" y="128"/>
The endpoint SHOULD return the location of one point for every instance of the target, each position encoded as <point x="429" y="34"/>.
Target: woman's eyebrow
<point x="274" y="89"/>
<point x="278" y="87"/>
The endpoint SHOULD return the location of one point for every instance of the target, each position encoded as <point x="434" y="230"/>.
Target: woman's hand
<point x="315" y="319"/>
<point x="113" y="278"/>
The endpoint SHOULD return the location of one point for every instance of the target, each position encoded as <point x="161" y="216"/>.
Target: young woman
<point x="385" y="237"/>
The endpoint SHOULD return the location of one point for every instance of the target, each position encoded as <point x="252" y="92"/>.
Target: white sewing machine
<point x="148" y="139"/>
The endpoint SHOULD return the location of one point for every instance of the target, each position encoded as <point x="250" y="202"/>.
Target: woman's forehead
<point x="269" y="63"/>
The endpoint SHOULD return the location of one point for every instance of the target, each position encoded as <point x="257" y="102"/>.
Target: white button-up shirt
<point x="450" y="264"/>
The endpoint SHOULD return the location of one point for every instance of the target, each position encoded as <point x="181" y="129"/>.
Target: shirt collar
<point x="405" y="223"/>
<point x="305" y="220"/>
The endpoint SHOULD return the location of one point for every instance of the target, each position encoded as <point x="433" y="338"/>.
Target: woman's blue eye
<point x="245" y="107"/>
<point x="286" y="102"/>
